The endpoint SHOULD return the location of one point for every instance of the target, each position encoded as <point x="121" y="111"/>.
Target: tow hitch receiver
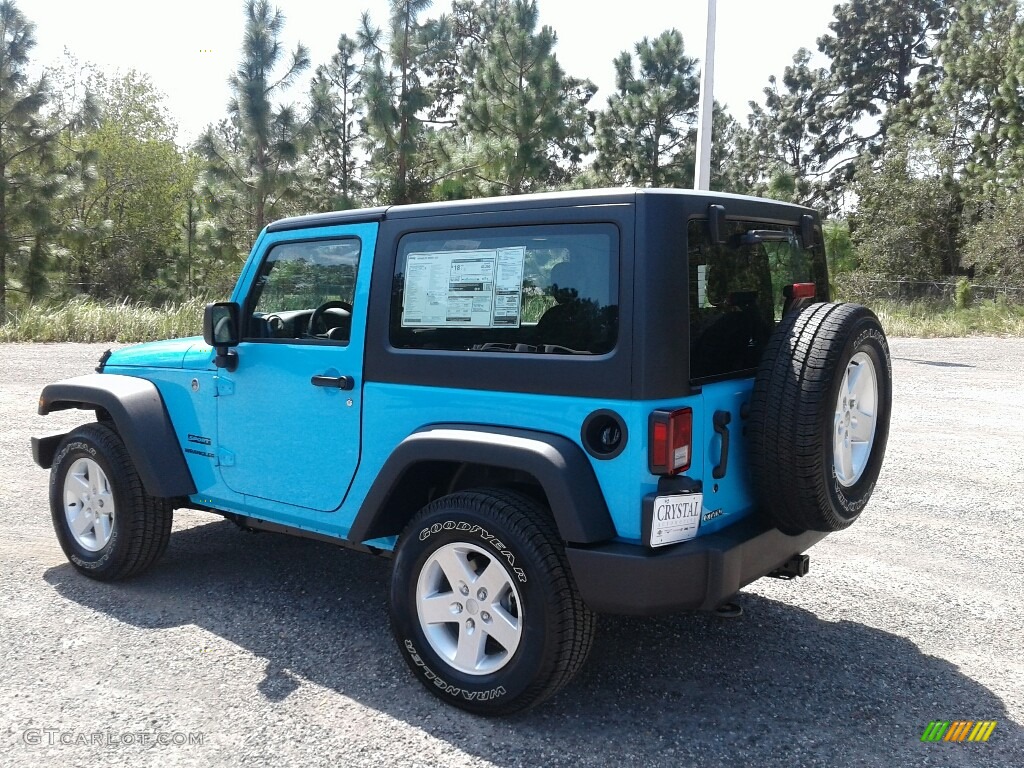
<point x="797" y="565"/>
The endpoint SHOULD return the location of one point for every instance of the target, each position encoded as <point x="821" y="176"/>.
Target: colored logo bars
<point x="958" y="730"/>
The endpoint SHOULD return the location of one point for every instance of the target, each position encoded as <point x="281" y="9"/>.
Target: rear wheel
<point x="483" y="606"/>
<point x="819" y="419"/>
<point x="106" y="523"/>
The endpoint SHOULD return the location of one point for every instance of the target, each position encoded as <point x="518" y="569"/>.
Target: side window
<point x="305" y="291"/>
<point x="542" y="289"/>
<point x="737" y="293"/>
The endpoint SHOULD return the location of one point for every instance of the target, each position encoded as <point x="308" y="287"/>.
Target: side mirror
<point x="221" y="330"/>
<point x="716" y="222"/>
<point x="807" y="231"/>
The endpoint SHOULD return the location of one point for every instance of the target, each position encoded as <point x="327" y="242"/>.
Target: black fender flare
<point x="557" y="463"/>
<point x="141" y="419"/>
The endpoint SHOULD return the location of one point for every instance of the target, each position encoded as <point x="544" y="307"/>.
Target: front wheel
<point x="106" y="523"/>
<point x="483" y="605"/>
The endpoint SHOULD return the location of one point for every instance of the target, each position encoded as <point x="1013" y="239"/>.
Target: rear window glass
<point x="541" y="289"/>
<point x="738" y="292"/>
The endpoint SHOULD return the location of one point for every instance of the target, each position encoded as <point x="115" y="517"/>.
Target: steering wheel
<point x="275" y="325"/>
<point x="318" y="314"/>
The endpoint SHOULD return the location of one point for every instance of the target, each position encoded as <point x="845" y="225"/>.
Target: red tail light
<point x="804" y="290"/>
<point x="671" y="441"/>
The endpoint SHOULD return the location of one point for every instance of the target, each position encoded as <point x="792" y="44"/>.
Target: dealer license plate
<point x="676" y="518"/>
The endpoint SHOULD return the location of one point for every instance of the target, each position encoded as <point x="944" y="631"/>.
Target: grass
<point x="85" y="320"/>
<point x="932" y="319"/>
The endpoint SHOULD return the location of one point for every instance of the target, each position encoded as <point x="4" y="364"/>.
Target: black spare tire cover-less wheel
<point x="483" y="604"/>
<point x="819" y="419"/>
<point x="106" y="523"/>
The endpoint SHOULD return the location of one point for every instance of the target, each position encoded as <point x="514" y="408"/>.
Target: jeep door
<point x="289" y="415"/>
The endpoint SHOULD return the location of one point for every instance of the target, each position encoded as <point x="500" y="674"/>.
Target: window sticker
<point x="702" y="285"/>
<point x="508" y="287"/>
<point x="464" y="289"/>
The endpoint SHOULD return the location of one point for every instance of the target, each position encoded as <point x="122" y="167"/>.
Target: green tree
<point x="902" y="226"/>
<point x="727" y="172"/>
<point x="806" y="142"/>
<point x="123" y="226"/>
<point x="994" y="245"/>
<point x="27" y="146"/>
<point x="252" y="159"/>
<point x="74" y="111"/>
<point x="226" y="228"/>
<point x="461" y="35"/>
<point x="979" y="102"/>
<point x="878" y="50"/>
<point x="646" y="135"/>
<point x="839" y="246"/>
<point x="335" y="118"/>
<point x="188" y="276"/>
<point x="525" y="121"/>
<point x="397" y="96"/>
<point x="779" y="147"/>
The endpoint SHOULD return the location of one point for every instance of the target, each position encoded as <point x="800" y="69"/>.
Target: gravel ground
<point x="268" y="649"/>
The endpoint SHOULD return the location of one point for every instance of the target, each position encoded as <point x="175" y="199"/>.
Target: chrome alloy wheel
<point x="88" y="504"/>
<point x="469" y="608"/>
<point x="855" y="420"/>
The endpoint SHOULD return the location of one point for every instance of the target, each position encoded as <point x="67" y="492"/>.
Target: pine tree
<point x="647" y="134"/>
<point x="334" y="115"/>
<point x="979" y="103"/>
<point x="460" y="37"/>
<point x="74" y="111"/>
<point x="255" y="167"/>
<point x="525" y="121"/>
<point x="780" y="145"/>
<point x="978" y="113"/>
<point x="878" y="49"/>
<point x="395" y="96"/>
<point x="27" y="172"/>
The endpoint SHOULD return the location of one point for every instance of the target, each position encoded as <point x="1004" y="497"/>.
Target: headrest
<point x="588" y="277"/>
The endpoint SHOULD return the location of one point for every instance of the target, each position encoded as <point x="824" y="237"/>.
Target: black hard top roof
<point x="617" y="196"/>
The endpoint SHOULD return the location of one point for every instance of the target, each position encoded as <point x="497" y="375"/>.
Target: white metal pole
<point x="702" y="172"/>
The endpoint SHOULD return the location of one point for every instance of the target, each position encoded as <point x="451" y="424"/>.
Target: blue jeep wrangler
<point x="543" y="407"/>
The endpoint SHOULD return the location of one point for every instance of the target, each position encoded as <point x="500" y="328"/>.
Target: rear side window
<point x="539" y="289"/>
<point x="738" y="293"/>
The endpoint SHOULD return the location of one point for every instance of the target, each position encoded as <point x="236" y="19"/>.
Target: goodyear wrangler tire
<point x="106" y="523"/>
<point x="819" y="420"/>
<point x="483" y="605"/>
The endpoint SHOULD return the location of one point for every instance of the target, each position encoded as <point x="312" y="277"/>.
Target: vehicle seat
<point x="580" y="289"/>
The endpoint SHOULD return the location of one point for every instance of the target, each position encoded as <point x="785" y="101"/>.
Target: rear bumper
<point x="694" y="575"/>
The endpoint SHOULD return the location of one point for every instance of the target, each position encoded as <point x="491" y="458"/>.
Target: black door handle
<point x="337" y="382"/>
<point x="721" y="422"/>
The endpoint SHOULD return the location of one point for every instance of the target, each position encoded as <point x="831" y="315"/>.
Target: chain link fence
<point x="860" y="287"/>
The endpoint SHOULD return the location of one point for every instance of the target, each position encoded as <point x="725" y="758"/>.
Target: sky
<point x="190" y="47"/>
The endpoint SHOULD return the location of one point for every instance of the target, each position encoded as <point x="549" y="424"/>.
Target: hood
<point x="172" y="353"/>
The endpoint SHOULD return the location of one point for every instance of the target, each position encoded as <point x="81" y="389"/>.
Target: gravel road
<point x="261" y="649"/>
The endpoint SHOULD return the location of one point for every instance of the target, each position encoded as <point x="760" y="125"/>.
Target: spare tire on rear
<point x="819" y="419"/>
